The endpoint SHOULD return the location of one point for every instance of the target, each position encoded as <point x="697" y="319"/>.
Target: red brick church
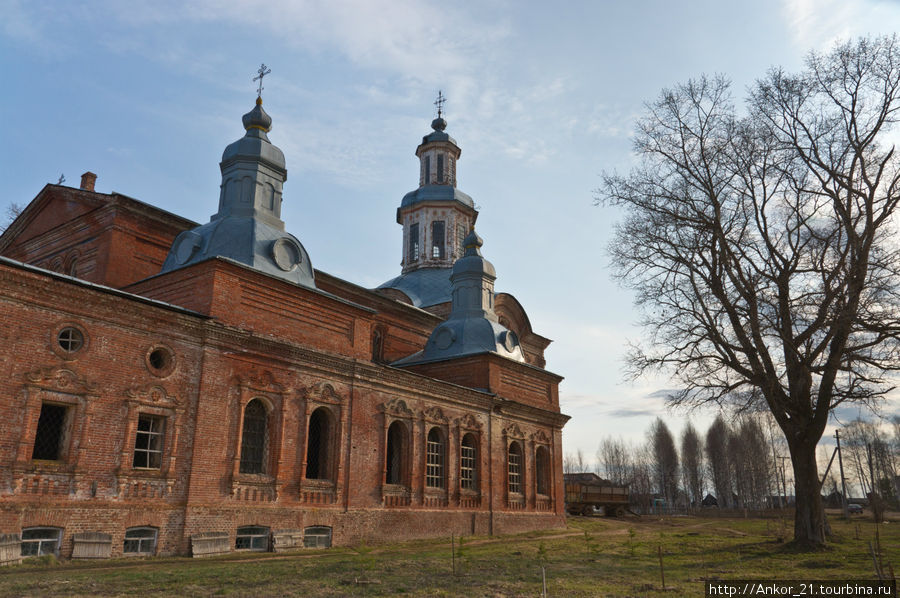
<point x="172" y="387"/>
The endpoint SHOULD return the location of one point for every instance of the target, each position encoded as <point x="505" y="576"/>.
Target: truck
<point x="587" y="491"/>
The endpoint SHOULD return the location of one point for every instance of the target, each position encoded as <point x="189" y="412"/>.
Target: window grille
<point x="317" y="446"/>
<point x="253" y="443"/>
<point x="467" y="456"/>
<point x="394" y="456"/>
<point x="140" y="540"/>
<point x="317" y="537"/>
<point x="252" y="537"/>
<point x="437" y="239"/>
<point x="51" y="428"/>
<point x="414" y="241"/>
<point x="515" y="468"/>
<point x="37" y="541"/>
<point x="542" y="466"/>
<point x="434" y="460"/>
<point x="148" y="442"/>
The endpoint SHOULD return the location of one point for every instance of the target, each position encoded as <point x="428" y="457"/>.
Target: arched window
<point x="395" y="456"/>
<point x="542" y="470"/>
<point x="468" y="463"/>
<point x="514" y="467"/>
<point x="254" y="438"/>
<point x="434" y="459"/>
<point x="318" y="446"/>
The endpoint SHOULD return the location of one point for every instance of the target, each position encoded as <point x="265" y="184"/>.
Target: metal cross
<point x="263" y="71"/>
<point x="440" y="103"/>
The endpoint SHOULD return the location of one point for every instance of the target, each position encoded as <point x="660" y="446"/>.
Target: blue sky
<point x="542" y="98"/>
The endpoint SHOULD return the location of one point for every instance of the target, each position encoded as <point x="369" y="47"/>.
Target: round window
<point x="160" y="361"/>
<point x="70" y="340"/>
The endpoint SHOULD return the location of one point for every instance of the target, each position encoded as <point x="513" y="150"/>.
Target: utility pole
<point x="837" y="437"/>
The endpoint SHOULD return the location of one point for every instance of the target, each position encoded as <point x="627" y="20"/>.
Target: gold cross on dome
<point x="439" y="102"/>
<point x="263" y="71"/>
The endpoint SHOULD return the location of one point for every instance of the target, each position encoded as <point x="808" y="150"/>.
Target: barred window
<point x="37" y="541"/>
<point x="50" y="436"/>
<point x="515" y="468"/>
<point x="437" y="239"/>
<point x="318" y="536"/>
<point x="542" y="467"/>
<point x="317" y="446"/>
<point x="434" y="459"/>
<point x="467" y="463"/>
<point x="254" y="437"/>
<point x="140" y="540"/>
<point x="252" y="537"/>
<point x="148" y="442"/>
<point x="394" y="455"/>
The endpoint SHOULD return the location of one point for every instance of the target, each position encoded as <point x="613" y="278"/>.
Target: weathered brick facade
<point x="129" y="399"/>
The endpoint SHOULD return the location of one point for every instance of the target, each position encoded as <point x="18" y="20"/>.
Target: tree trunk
<point x="809" y="517"/>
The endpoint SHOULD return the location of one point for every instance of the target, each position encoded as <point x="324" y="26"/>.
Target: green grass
<point x="592" y="557"/>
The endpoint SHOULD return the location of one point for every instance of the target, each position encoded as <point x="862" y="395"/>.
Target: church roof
<point x="436" y="193"/>
<point x="425" y="287"/>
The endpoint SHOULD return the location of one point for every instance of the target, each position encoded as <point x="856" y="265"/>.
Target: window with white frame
<point x="434" y="459"/>
<point x="317" y="536"/>
<point x="140" y="540"/>
<point x="252" y="537"/>
<point x="515" y="468"/>
<point x="38" y="541"/>
<point x="467" y="460"/>
<point x="148" y="442"/>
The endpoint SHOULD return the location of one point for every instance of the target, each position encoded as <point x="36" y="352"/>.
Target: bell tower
<point x="437" y="216"/>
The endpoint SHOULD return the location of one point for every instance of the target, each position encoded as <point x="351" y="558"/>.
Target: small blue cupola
<point x="472" y="327"/>
<point x="248" y="228"/>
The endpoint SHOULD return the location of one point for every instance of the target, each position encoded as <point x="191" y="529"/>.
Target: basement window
<point x="38" y="541"/>
<point x="140" y="540"/>
<point x="252" y="537"/>
<point x="50" y="436"/>
<point x="318" y="536"/>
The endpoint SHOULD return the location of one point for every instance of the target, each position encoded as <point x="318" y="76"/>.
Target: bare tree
<point x="665" y="460"/>
<point x="717" y="461"/>
<point x="692" y="464"/>
<point x="750" y="463"/>
<point x="760" y="247"/>
<point x="613" y="456"/>
<point x="12" y="212"/>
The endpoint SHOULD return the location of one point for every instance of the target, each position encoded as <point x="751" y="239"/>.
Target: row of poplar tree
<point x="742" y="465"/>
